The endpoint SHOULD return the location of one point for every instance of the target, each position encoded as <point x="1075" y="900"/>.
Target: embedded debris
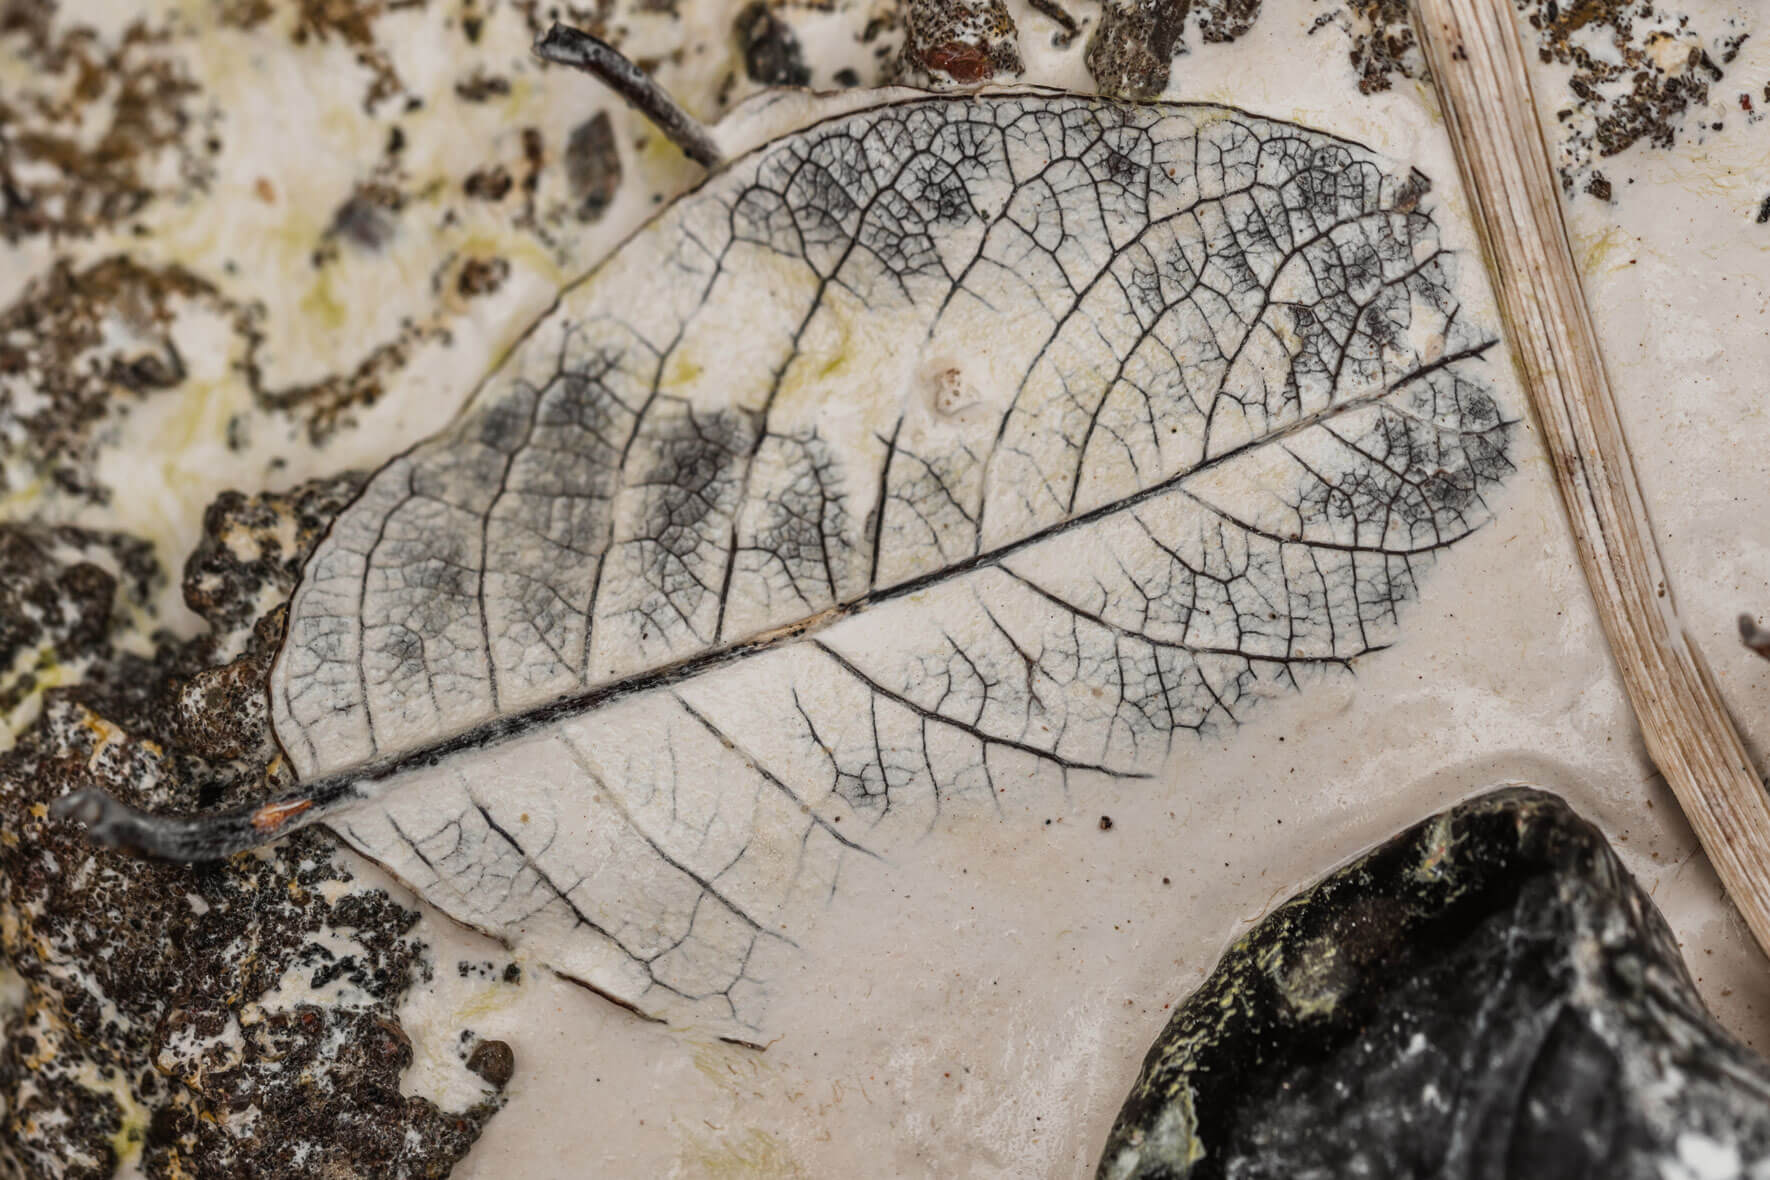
<point x="1383" y="44"/>
<point x="250" y="554"/>
<point x="1635" y="71"/>
<point x="593" y="165"/>
<point x="221" y="1020"/>
<point x="1638" y="71"/>
<point x="957" y="43"/>
<point x="1133" y="46"/>
<point x="90" y="131"/>
<point x="1130" y="53"/>
<point x="772" y="54"/>
<point x="59" y="588"/>
<point x="74" y="344"/>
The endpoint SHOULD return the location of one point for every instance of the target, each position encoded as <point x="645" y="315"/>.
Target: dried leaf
<point x="947" y="448"/>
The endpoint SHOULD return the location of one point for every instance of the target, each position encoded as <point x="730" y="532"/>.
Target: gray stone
<point x="1487" y="996"/>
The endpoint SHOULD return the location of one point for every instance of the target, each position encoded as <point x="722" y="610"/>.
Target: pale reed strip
<point x="1476" y="57"/>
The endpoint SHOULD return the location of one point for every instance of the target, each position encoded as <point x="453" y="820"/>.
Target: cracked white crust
<point x="946" y="445"/>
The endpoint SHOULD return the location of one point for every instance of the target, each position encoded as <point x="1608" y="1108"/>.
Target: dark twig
<point x="572" y="47"/>
<point x="1067" y="28"/>
<point x="1754" y="636"/>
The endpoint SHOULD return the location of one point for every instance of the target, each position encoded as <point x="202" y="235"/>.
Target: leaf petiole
<point x="208" y="836"/>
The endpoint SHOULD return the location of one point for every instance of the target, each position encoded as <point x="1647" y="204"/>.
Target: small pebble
<point x="493" y="1061"/>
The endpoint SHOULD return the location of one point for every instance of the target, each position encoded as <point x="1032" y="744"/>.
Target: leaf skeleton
<point x="950" y="442"/>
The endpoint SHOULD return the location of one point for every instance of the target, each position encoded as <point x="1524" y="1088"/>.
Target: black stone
<point x="1487" y="996"/>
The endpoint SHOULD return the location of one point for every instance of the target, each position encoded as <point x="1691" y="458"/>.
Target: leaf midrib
<point x="345" y="783"/>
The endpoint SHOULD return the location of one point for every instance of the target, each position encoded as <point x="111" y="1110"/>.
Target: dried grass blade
<point x="1477" y="62"/>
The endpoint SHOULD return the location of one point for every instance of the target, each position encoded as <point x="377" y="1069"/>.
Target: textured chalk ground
<point x="994" y="987"/>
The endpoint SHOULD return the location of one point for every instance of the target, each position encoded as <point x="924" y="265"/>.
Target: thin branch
<point x="572" y="47"/>
<point x="1755" y="637"/>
